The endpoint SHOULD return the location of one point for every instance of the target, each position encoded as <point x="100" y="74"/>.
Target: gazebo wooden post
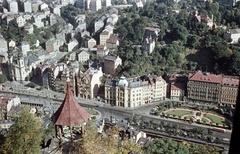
<point x="60" y="134"/>
<point x="71" y="135"/>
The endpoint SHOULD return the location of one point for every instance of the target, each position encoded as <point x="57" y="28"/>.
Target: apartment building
<point x="229" y="92"/>
<point x="204" y="88"/>
<point x="103" y="37"/>
<point x="134" y="92"/>
<point x="212" y="89"/>
<point x="110" y="64"/>
<point x="89" y="83"/>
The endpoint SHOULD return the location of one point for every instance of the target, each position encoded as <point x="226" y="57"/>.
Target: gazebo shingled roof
<point x="70" y="113"/>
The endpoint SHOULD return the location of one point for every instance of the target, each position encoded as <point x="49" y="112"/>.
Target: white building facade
<point x="133" y="93"/>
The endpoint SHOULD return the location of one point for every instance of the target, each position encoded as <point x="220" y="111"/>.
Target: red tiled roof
<point x="70" y="113"/>
<point x="112" y="39"/>
<point x="105" y="33"/>
<point x="4" y="98"/>
<point x="100" y="47"/>
<point x="230" y="82"/>
<point x="205" y="77"/>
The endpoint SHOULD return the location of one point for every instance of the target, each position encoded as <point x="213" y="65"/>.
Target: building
<point x="95" y="5"/>
<point x="232" y="36"/>
<point x="113" y="19"/>
<point x="43" y="6"/>
<point x="3" y="44"/>
<point x="203" y="87"/>
<point x="38" y="20"/>
<point x="27" y="7"/>
<point x="7" y="18"/>
<point x="80" y="4"/>
<point x="7" y="101"/>
<point x="103" y="37"/>
<point x="13" y="6"/>
<point x="29" y="28"/>
<point x="138" y="3"/>
<point x="177" y="91"/>
<point x="72" y="44"/>
<point x="35" y="6"/>
<point x="110" y="64"/>
<point x="25" y="48"/>
<point x="134" y="92"/>
<point x="60" y="82"/>
<point x="112" y="42"/>
<point x="204" y="18"/>
<point x="91" y="43"/>
<point x="102" y="51"/>
<point x="20" y="21"/>
<point x="83" y="56"/>
<point x="89" y="83"/>
<point x="52" y="45"/>
<point x="98" y="25"/>
<point x="50" y="73"/>
<point x="52" y="19"/>
<point x="80" y="23"/>
<point x="229" y="92"/>
<point x="107" y="3"/>
<point x="149" y="39"/>
<point x="19" y="68"/>
<point x="55" y="10"/>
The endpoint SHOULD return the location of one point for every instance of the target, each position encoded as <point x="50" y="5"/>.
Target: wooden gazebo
<point x="70" y="113"/>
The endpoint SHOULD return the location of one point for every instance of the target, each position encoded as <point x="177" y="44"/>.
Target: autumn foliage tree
<point x="92" y="142"/>
<point x="24" y="136"/>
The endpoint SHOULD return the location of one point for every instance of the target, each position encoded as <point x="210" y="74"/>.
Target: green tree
<point x="166" y="146"/>
<point x="235" y="63"/>
<point x="3" y="78"/>
<point x="25" y="135"/>
<point x="202" y="149"/>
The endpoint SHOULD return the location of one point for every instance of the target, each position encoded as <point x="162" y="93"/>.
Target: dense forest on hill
<point x="183" y="44"/>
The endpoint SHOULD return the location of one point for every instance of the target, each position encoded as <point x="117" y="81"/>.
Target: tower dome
<point x="122" y="82"/>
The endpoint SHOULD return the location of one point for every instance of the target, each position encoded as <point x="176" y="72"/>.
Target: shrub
<point x="3" y="78"/>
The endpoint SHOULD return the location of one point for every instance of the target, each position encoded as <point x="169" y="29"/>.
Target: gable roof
<point x="230" y="82"/>
<point x="177" y="86"/>
<point x="70" y="113"/>
<point x="205" y="77"/>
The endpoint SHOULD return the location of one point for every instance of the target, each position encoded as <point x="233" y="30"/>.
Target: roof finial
<point x="67" y="75"/>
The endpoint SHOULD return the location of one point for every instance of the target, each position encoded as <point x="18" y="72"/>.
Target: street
<point x="49" y="99"/>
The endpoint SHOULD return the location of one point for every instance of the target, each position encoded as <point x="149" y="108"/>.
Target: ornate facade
<point x="211" y="88"/>
<point x="89" y="83"/>
<point x="133" y="93"/>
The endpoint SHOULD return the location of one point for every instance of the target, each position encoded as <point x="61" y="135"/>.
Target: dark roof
<point x="111" y="58"/>
<point x="70" y="113"/>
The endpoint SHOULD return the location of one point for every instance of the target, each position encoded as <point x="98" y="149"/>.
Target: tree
<point x="25" y="135"/>
<point x="202" y="149"/>
<point x="235" y="63"/>
<point x="166" y="146"/>
<point x="3" y="78"/>
<point x="111" y="144"/>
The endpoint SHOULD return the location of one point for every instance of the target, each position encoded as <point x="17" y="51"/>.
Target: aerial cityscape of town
<point x="118" y="76"/>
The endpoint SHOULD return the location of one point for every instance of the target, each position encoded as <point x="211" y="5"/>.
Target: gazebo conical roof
<point x="70" y="113"/>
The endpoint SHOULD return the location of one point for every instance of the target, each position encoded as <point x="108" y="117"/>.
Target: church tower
<point x="20" y="73"/>
<point x="10" y="64"/>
